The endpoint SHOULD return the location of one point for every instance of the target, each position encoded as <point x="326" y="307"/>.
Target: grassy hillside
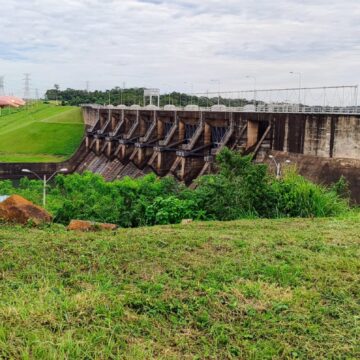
<point x="247" y="289"/>
<point x="43" y="133"/>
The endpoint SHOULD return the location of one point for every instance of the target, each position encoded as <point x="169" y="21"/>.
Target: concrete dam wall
<point x="132" y="142"/>
<point x="183" y="144"/>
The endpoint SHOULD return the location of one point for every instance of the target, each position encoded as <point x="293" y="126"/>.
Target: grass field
<point x="262" y="289"/>
<point x="42" y="133"/>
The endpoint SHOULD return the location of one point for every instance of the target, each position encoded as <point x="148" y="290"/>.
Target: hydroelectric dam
<point x="324" y="143"/>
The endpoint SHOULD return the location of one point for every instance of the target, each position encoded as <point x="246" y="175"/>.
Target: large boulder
<point x="18" y="210"/>
<point x="82" y="225"/>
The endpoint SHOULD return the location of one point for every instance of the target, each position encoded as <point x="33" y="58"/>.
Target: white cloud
<point x="155" y="42"/>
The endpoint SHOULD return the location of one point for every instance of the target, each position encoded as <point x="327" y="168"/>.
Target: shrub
<point x="170" y="210"/>
<point x="240" y="189"/>
<point x="297" y="197"/>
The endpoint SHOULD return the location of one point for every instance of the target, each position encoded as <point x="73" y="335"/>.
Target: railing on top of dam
<point x="263" y="108"/>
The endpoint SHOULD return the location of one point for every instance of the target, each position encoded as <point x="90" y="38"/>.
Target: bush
<point x="240" y="189"/>
<point x="123" y="202"/>
<point x="297" y="197"/>
<point x="170" y="210"/>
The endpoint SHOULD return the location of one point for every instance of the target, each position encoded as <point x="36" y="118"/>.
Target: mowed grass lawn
<point x="42" y="133"/>
<point x="263" y="289"/>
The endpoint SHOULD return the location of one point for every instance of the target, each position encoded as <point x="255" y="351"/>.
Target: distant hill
<point x="40" y="133"/>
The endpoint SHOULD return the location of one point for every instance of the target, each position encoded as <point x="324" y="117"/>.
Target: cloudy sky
<point x="173" y="44"/>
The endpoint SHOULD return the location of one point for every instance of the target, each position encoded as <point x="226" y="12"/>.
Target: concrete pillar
<point x="113" y="122"/>
<point x="140" y="156"/>
<point x="160" y="129"/>
<point x="181" y="130"/>
<point x="286" y="135"/>
<point x="109" y="148"/>
<point x="122" y="152"/>
<point x="97" y="146"/>
<point x="252" y="133"/>
<point x="159" y="162"/>
<point x="142" y="127"/>
<point x="182" y="169"/>
<point x="207" y="134"/>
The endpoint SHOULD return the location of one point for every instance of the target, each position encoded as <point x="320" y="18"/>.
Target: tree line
<point x="134" y="96"/>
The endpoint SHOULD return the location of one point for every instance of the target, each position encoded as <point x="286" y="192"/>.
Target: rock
<point x="82" y="225"/>
<point x="106" y="226"/>
<point x="18" y="210"/>
<point x="186" y="221"/>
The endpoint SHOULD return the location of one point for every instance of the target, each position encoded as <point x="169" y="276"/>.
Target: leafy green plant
<point x="170" y="210"/>
<point x="240" y="189"/>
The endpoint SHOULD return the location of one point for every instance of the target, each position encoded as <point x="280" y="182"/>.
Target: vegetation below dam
<point x="240" y="189"/>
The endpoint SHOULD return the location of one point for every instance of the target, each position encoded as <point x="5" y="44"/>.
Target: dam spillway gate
<point x="184" y="143"/>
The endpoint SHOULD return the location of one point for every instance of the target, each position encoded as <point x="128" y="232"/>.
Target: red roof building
<point x="12" y="101"/>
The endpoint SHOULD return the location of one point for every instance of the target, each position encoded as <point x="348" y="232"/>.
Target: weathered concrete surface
<point x="346" y="137"/>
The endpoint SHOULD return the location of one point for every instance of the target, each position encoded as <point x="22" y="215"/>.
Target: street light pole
<point x="278" y="165"/>
<point x="300" y="81"/>
<point x="219" y="87"/>
<point x="169" y="94"/>
<point x="44" y="180"/>
<point x="44" y="191"/>
<point x="192" y="91"/>
<point x="255" y="85"/>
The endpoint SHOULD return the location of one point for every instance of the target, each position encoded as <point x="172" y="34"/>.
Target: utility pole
<point x="300" y="76"/>
<point x="2" y="89"/>
<point x="219" y="86"/>
<point x="27" y="86"/>
<point x="192" y="91"/>
<point x="121" y="92"/>
<point x="255" y="86"/>
<point x="37" y="96"/>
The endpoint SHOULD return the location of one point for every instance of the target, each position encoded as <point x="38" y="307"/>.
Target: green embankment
<point x="263" y="289"/>
<point x="41" y="133"/>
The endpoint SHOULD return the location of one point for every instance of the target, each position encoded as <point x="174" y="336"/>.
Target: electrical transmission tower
<point x="27" y="86"/>
<point x="2" y="88"/>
